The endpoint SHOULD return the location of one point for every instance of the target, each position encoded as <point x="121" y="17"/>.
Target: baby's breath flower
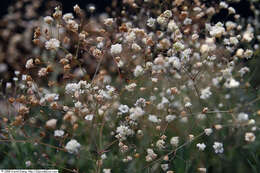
<point x="52" y="44"/>
<point x="205" y="93"/>
<point x="51" y="123"/>
<point x="89" y="117"/>
<point x="218" y="147"/>
<point x="73" y="146"/>
<point x="208" y="131"/>
<point x="250" y="137"/>
<point x="201" y="146"/>
<point x="58" y="133"/>
<point x="106" y="170"/>
<point x="116" y="49"/>
<point x="231" y="83"/>
<point x="138" y="71"/>
<point x="123" y="131"/>
<point x="29" y="64"/>
<point x="151" y="22"/>
<point x="123" y="109"/>
<point x="175" y="141"/>
<point x="154" y="119"/>
<point x="68" y="16"/>
<point x="48" y="19"/>
<point x="160" y="144"/>
<point x="217" y="30"/>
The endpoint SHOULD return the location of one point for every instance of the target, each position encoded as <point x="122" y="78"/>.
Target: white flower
<point x="138" y="71"/>
<point x="58" y="133"/>
<point x="208" y="131"/>
<point x="51" y="97"/>
<point x="130" y="87"/>
<point x="89" y="117"/>
<point x="188" y="104"/>
<point x="72" y="146"/>
<point x="175" y="61"/>
<point x="103" y="156"/>
<point x="160" y="144"/>
<point x="51" y="123"/>
<point x="217" y="30"/>
<point x="205" y="93"/>
<point x="29" y="63"/>
<point x="170" y="118"/>
<point x="201" y="146"/>
<point x="135" y="113"/>
<point x="218" y="147"/>
<point x="187" y="21"/>
<point x="68" y="16"/>
<point x="151" y="22"/>
<point x="116" y="49"/>
<point x="203" y="170"/>
<point x="123" y="131"/>
<point x="243" y="71"/>
<point x="52" y="44"/>
<point x="165" y="167"/>
<point x="106" y="170"/>
<point x="71" y="88"/>
<point x="154" y="119"/>
<point x="250" y="137"/>
<point x="123" y="109"/>
<point x="48" y="19"/>
<point x="28" y="163"/>
<point x="242" y="116"/>
<point x="248" y="53"/>
<point x="78" y="104"/>
<point x="231" y="83"/>
<point x="150" y="155"/>
<point x="175" y="141"/>
<point x="223" y="4"/>
<point x="108" y="21"/>
<point x="248" y="36"/>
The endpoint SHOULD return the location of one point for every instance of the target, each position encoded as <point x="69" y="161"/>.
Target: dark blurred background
<point x="242" y="7"/>
<point x="67" y="5"/>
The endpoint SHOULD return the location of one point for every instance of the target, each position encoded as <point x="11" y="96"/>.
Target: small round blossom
<point x="170" y="118"/>
<point x="123" y="109"/>
<point x="231" y="83"/>
<point x="150" y="155"/>
<point x="217" y="30"/>
<point x="174" y="141"/>
<point x="73" y="146"/>
<point x="52" y="44"/>
<point x="48" y="19"/>
<point x="218" y="147"/>
<point x="138" y="71"/>
<point x="201" y="146"/>
<point x="123" y="131"/>
<point x="89" y="117"/>
<point x="208" y="131"/>
<point x="68" y="16"/>
<point x="29" y="64"/>
<point x="28" y="163"/>
<point x="136" y="112"/>
<point x="58" y="133"/>
<point x="242" y="116"/>
<point x="205" y="93"/>
<point x="160" y="144"/>
<point x="106" y="170"/>
<point x="250" y="137"/>
<point x="154" y="119"/>
<point x="165" y="167"/>
<point x="151" y="22"/>
<point x="51" y="123"/>
<point x="116" y="49"/>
